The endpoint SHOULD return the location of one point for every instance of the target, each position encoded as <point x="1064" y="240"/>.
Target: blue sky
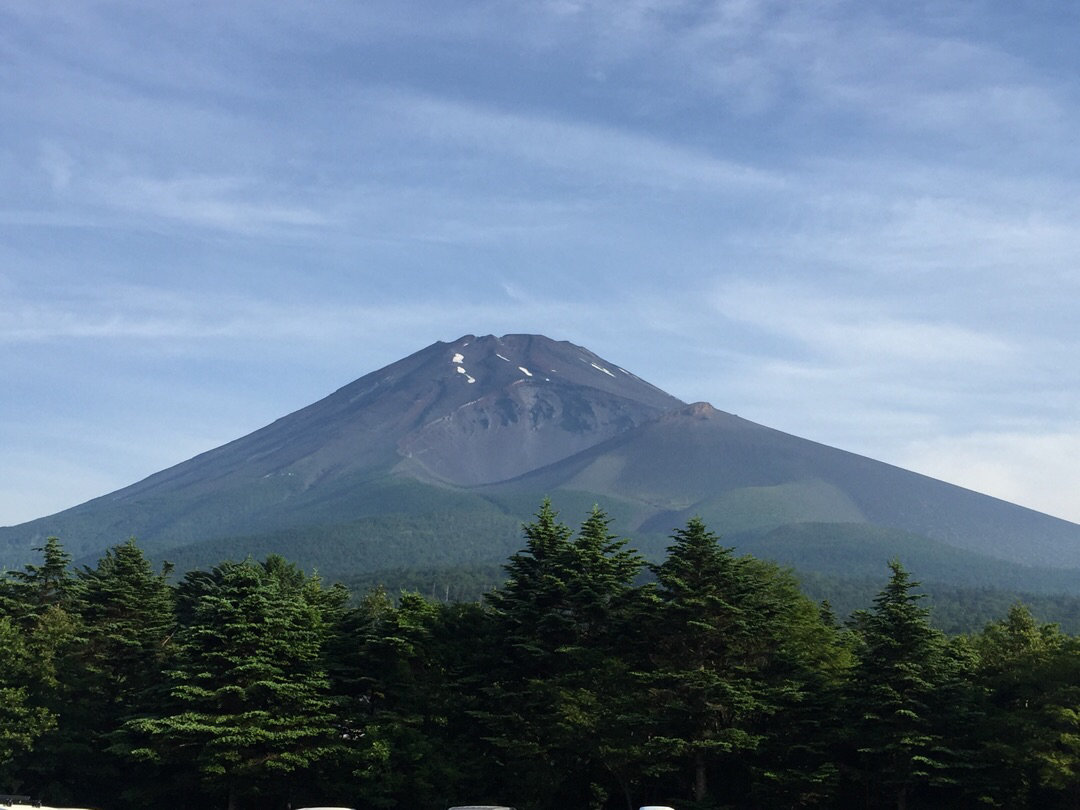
<point x="853" y="221"/>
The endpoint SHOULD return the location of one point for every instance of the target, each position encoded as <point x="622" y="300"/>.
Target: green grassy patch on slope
<point x="750" y="508"/>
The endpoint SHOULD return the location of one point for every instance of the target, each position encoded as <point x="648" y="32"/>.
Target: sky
<point x="858" y="222"/>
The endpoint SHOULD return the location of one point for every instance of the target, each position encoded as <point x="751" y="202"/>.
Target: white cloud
<point x="856" y="331"/>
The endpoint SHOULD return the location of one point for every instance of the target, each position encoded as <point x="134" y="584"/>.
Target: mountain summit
<point x="474" y="411"/>
<point x="437" y="458"/>
<point x="488" y="409"/>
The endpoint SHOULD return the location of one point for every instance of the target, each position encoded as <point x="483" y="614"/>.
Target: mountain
<point x="435" y="460"/>
<point x="405" y="441"/>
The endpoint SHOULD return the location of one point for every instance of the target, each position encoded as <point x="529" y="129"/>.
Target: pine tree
<point x="722" y="662"/>
<point x="38" y="587"/>
<point x="898" y="694"/>
<point x="419" y="743"/>
<point x="562" y="693"/>
<point x="127" y="614"/>
<point x="38" y="603"/>
<point x="531" y="621"/>
<point x="21" y="722"/>
<point x="250" y="702"/>
<point x="795" y="763"/>
<point x="531" y="606"/>
<point x="1031" y="731"/>
<point x="1054" y="738"/>
<point x="600" y="701"/>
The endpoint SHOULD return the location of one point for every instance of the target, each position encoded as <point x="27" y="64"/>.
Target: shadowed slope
<point x="739" y="476"/>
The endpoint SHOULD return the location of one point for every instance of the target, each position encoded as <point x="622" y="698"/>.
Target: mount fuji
<point x="436" y="459"/>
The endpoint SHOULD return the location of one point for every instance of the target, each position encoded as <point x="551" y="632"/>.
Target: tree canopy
<point x="587" y="679"/>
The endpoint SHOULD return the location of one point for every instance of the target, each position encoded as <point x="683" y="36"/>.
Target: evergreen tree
<point x="897" y="694"/>
<point x="250" y="703"/>
<point x="531" y="621"/>
<point x="1030" y="674"/>
<point x="723" y="660"/>
<point x="531" y="605"/>
<point x="795" y="764"/>
<point x="418" y="745"/>
<point x="21" y="722"/>
<point x="38" y="604"/>
<point x="253" y="685"/>
<point x="562" y="693"/>
<point x="128" y="619"/>
<point x="599" y="710"/>
<point x="1055" y="739"/>
<point x="28" y="593"/>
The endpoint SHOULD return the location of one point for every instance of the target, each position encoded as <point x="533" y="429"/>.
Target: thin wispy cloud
<point x="208" y="201"/>
<point x="153" y="314"/>
<point x="585" y="150"/>
<point x="856" y="331"/>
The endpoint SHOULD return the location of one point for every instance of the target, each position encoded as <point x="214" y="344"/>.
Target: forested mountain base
<point x="464" y="583"/>
<point x="954" y="609"/>
<point x="586" y="679"/>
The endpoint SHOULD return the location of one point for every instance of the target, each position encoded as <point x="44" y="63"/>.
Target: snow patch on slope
<point x="457" y="360"/>
<point x="601" y="368"/>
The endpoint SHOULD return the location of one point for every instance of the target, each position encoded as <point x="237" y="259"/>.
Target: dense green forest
<point x="584" y="677"/>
